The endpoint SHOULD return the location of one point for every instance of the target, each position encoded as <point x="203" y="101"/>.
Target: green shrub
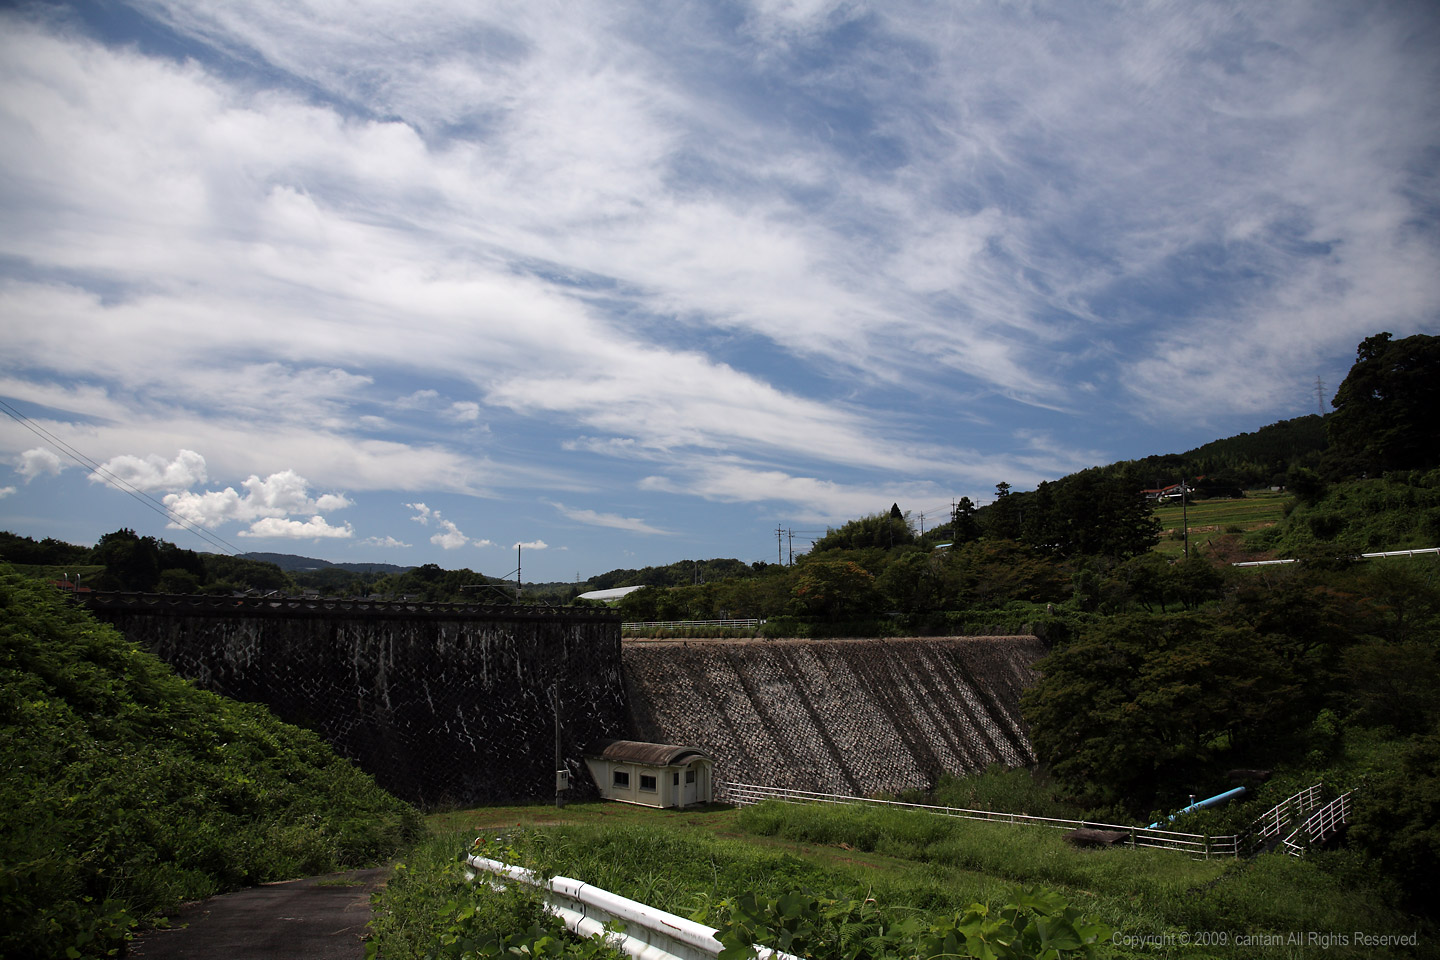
<point x="129" y="790"/>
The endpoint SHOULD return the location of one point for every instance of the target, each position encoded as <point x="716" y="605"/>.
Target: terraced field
<point x="1209" y="519"/>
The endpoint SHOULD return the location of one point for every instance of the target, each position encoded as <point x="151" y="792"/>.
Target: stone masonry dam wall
<point x="441" y="703"/>
<point x="836" y="716"/>
<point x="448" y="703"/>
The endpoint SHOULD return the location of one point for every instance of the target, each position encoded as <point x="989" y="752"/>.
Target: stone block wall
<point x="836" y="716"/>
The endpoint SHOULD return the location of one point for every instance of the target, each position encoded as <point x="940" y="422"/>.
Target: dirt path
<point x="318" y="918"/>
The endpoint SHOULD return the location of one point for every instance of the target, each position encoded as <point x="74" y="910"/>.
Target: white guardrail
<point x="1363" y="556"/>
<point x="649" y="933"/>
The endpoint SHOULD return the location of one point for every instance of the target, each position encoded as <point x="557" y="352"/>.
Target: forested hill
<point x="1248" y="460"/>
<point x="291" y="563"/>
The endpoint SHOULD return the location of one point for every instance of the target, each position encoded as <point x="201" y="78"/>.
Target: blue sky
<point x="633" y="282"/>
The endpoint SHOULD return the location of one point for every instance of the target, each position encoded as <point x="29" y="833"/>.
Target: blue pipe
<point x="1201" y="805"/>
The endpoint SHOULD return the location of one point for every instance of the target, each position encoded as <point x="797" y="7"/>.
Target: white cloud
<point x="449" y="537"/>
<point x="464" y="411"/>
<point x="811" y="498"/>
<point x="530" y="545"/>
<point x="38" y="462"/>
<point x="612" y="520"/>
<point x="6" y="491"/>
<point x="383" y="542"/>
<point x="905" y="252"/>
<point x="276" y="496"/>
<point x="316" y="528"/>
<point x="153" y="472"/>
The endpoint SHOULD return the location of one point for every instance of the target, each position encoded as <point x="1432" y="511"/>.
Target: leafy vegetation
<point x="128" y="790"/>
<point x="748" y="892"/>
<point x="1384" y="417"/>
<point x="869" y="882"/>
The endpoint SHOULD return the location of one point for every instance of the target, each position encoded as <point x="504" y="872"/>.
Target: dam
<point x="448" y="703"/>
<point x="855" y="717"/>
<point x="442" y="703"/>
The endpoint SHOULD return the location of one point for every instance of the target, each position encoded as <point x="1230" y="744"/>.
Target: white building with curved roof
<point x="650" y="774"/>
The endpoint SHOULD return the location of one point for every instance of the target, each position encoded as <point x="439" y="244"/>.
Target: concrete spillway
<point x="842" y="716"/>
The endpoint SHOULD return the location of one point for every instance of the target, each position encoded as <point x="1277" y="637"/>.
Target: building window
<point x="689" y="776"/>
<point x="676" y="781"/>
<point x="622" y="779"/>
<point x="647" y="783"/>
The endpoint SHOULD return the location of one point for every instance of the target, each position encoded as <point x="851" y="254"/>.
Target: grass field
<point x="688" y="861"/>
<point x="1209" y="519"/>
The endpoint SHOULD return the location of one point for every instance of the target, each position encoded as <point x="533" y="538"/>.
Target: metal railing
<point x="648" y="933"/>
<point x="689" y="624"/>
<point x="1272" y="823"/>
<point x="1320" y="825"/>
<point x="1196" y="844"/>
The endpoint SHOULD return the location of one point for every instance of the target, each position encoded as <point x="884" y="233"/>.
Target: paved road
<point x="318" y="918"/>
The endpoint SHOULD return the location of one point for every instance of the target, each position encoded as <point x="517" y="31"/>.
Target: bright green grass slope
<point x="127" y="790"/>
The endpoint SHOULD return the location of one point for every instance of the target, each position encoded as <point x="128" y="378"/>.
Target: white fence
<point x="1271" y="824"/>
<point x="649" y="933"/>
<point x="1196" y="844"/>
<point x="1321" y="824"/>
<point x="690" y="624"/>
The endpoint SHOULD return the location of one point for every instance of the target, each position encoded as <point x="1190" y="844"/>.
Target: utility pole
<point x="562" y="773"/>
<point x="517" y="573"/>
<point x="1320" y="396"/>
<point x="790" y="535"/>
<point x="779" y="546"/>
<point x="1185" y="513"/>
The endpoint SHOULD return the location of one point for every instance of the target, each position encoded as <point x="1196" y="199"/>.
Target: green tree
<point x="835" y="589"/>
<point x="1397" y="821"/>
<point x="882" y="530"/>
<point x="1001" y="519"/>
<point x="1384" y="415"/>
<point x="1139" y="701"/>
<point x="132" y="562"/>
<point x="990" y="572"/>
<point x="964" y="528"/>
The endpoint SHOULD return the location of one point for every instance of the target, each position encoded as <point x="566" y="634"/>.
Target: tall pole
<point x="517" y="573"/>
<point x="1185" y="513"/>
<point x="559" y="759"/>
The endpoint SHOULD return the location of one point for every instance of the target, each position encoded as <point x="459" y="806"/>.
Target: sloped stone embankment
<point x="841" y="716"/>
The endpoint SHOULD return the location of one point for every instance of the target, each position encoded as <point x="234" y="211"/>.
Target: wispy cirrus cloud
<point x="614" y="521"/>
<point x="829" y="249"/>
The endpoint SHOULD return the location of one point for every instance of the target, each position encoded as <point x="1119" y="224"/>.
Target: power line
<point x="119" y="483"/>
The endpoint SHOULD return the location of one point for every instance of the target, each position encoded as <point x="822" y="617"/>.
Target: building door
<point x="689" y="794"/>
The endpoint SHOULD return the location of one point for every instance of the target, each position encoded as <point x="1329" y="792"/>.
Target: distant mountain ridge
<point x="291" y="563"/>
